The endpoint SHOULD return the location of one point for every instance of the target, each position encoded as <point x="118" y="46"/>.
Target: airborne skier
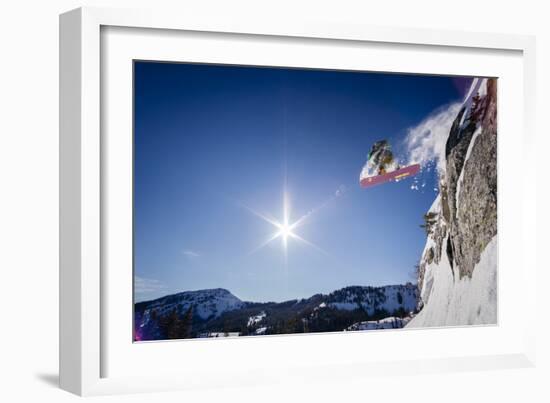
<point x="382" y="167"/>
<point x="381" y="158"/>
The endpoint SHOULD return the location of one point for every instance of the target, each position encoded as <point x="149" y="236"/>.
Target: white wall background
<point x="29" y="201"/>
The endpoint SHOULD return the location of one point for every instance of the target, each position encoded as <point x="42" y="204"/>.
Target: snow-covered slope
<point x="205" y="303"/>
<point x="458" y="268"/>
<point x="450" y="301"/>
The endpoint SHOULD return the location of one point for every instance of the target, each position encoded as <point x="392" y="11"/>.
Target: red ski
<point x="395" y="176"/>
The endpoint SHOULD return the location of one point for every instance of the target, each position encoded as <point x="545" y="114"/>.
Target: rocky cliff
<point x="457" y="270"/>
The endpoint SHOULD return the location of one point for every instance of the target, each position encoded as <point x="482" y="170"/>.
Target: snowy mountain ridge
<point x="214" y="302"/>
<point x="206" y="303"/>
<point x="217" y="310"/>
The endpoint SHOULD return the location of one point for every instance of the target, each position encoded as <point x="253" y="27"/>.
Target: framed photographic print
<point x="235" y="191"/>
<point x="276" y="201"/>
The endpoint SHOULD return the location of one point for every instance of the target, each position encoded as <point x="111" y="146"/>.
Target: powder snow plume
<point x="426" y="141"/>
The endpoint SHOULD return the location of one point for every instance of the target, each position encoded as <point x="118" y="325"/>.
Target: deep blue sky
<point x="209" y="139"/>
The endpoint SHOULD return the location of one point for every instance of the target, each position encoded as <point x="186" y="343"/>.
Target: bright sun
<point x="285" y="230"/>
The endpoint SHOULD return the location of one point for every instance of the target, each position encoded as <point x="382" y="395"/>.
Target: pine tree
<point x="399" y="298"/>
<point x="169" y="325"/>
<point x="186" y="325"/>
<point x="173" y="327"/>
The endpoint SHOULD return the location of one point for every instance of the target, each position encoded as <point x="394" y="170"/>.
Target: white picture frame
<point x="85" y="344"/>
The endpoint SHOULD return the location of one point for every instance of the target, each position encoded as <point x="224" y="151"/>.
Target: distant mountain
<point x="215" y="312"/>
<point x="206" y="303"/>
<point x="371" y="299"/>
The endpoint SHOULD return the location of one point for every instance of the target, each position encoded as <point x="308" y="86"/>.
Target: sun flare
<point x="285" y="229"/>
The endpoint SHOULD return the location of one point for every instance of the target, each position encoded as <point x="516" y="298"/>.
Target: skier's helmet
<point x="378" y="146"/>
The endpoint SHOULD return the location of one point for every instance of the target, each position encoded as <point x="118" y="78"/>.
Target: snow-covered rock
<point x="467" y="301"/>
<point x="457" y="270"/>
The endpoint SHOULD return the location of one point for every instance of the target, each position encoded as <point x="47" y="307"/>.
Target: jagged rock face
<point x="472" y="184"/>
<point x="434" y="247"/>
<point x="467" y="202"/>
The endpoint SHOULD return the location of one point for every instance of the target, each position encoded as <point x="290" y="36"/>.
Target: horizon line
<point x="269" y="302"/>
